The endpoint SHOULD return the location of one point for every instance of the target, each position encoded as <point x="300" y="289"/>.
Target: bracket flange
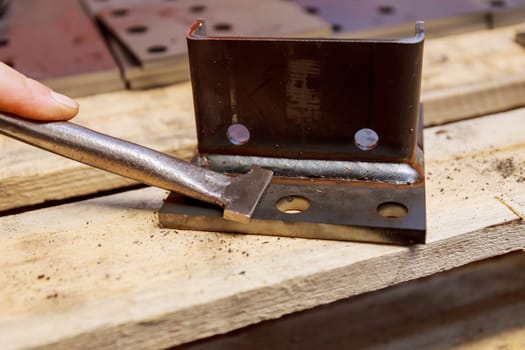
<point x="337" y="120"/>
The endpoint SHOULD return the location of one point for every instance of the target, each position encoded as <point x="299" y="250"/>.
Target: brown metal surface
<point x="55" y="42"/>
<point x="337" y="120"/>
<point x="379" y="17"/>
<point x="148" y="37"/>
<point x="306" y="99"/>
<point x="150" y="32"/>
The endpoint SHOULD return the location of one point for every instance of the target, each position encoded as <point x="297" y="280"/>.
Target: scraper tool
<point x="238" y="195"/>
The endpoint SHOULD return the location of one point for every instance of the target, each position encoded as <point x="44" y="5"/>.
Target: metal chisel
<point x="238" y="195"/>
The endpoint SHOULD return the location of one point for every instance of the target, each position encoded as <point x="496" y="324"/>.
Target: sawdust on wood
<point x="505" y="167"/>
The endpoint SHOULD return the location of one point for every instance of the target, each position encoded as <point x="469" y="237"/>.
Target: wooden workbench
<point x="100" y="273"/>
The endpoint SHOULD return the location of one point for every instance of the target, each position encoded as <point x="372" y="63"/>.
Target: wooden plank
<point x="478" y="306"/>
<point x="464" y="76"/>
<point x="161" y="119"/>
<point x="473" y="74"/>
<point x="87" y="273"/>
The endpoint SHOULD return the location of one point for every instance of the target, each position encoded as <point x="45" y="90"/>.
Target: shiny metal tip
<point x="244" y="193"/>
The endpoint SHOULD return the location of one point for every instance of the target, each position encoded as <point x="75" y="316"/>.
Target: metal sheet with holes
<point x="152" y="33"/>
<point x="307" y="99"/>
<point x="393" y="16"/>
<point x="55" y="42"/>
<point x="324" y="107"/>
<point x="148" y="37"/>
<point x="341" y="211"/>
<point x="274" y="17"/>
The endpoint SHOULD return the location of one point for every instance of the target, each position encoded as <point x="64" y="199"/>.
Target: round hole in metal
<point x="498" y="3"/>
<point x="386" y="9"/>
<point x="137" y="29"/>
<point x="223" y="27"/>
<point x="366" y="139"/>
<point x="337" y="28"/>
<point x="119" y="12"/>
<point x="292" y="204"/>
<point x="238" y="134"/>
<point x="392" y="210"/>
<point x="313" y="10"/>
<point x="197" y="8"/>
<point x="157" y="49"/>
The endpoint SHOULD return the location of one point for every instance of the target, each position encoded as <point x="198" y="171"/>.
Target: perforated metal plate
<point x="341" y="211"/>
<point x="55" y="41"/>
<point x="336" y="120"/>
<point x="148" y="37"/>
<point x="393" y="17"/>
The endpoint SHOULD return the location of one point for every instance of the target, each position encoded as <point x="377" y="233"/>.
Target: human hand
<point x="30" y="99"/>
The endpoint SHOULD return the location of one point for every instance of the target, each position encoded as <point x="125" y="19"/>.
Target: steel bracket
<point x="337" y="120"/>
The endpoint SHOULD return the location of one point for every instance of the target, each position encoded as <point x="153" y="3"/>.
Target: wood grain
<point x="101" y="274"/>
<point x="478" y="306"/>
<point x="464" y="76"/>
<point x="473" y="74"/>
<point x="161" y="119"/>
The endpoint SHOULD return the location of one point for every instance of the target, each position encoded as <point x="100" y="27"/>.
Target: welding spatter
<point x="238" y="195"/>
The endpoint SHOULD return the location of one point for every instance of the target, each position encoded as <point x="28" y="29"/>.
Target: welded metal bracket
<point x="337" y="120"/>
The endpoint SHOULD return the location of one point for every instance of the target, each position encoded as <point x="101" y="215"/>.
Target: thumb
<point x="30" y="99"/>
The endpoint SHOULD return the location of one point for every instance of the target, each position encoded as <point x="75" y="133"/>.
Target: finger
<point x="30" y="99"/>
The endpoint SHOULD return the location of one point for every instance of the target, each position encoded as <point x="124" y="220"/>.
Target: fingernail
<point x="64" y="100"/>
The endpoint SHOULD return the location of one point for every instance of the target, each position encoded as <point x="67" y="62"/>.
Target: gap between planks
<point x="477" y="306"/>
